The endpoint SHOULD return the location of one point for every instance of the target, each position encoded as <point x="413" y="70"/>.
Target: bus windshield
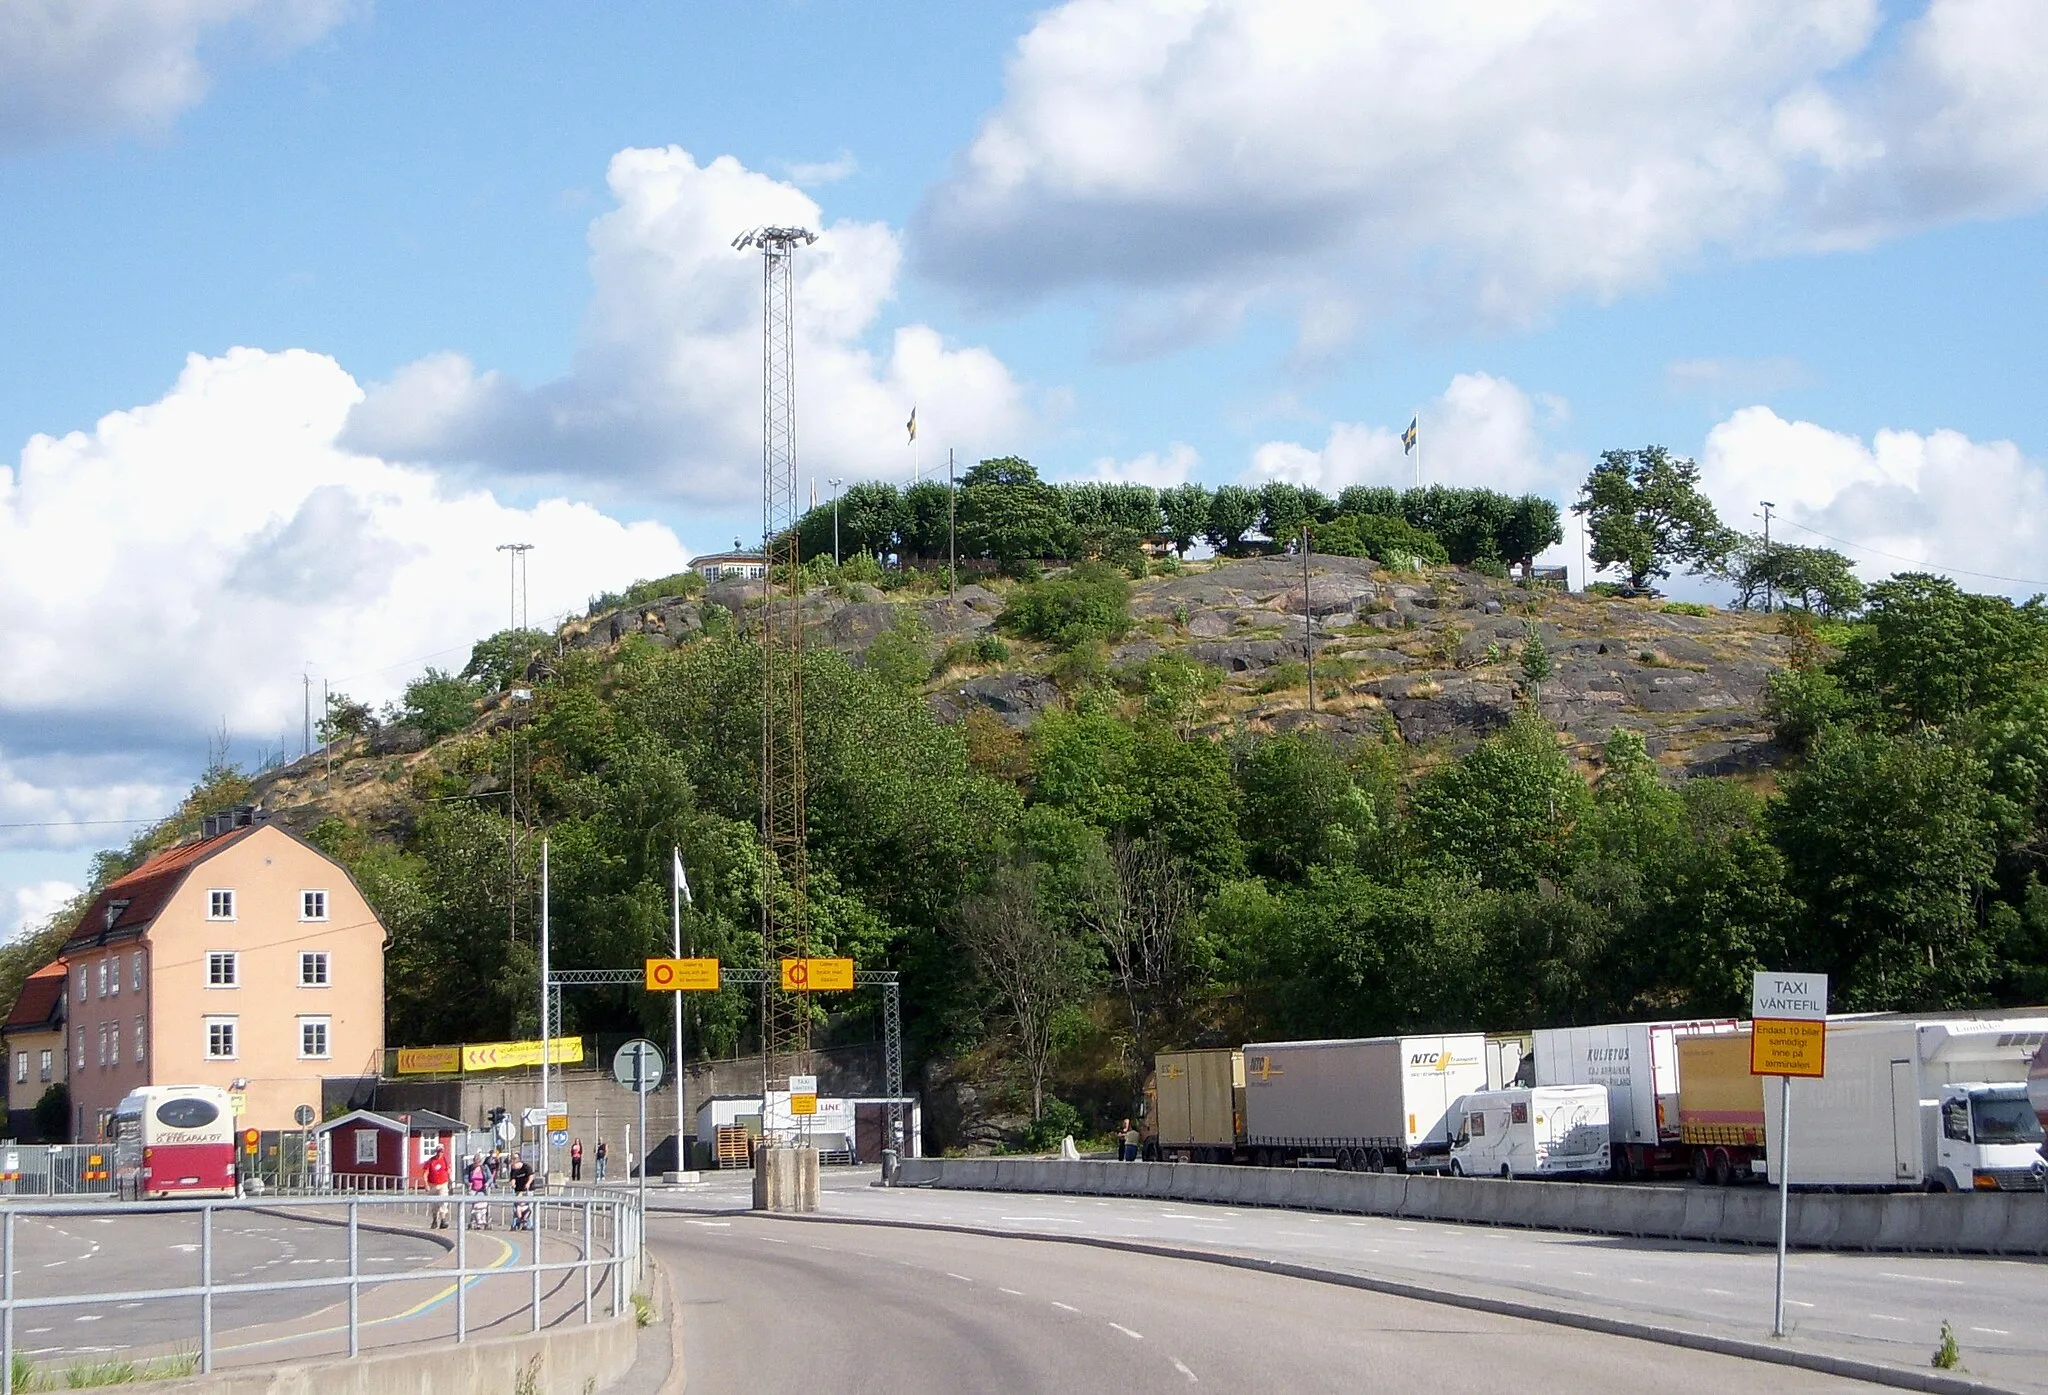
<point x="2004" y="1119"/>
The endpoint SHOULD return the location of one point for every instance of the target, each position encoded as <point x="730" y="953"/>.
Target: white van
<point x="1531" y="1131"/>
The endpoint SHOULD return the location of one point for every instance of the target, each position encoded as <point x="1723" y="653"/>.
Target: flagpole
<point x="682" y="1104"/>
<point x="1416" y="417"/>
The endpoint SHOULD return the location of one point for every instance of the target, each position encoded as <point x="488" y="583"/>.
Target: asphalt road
<point x="1872" y="1307"/>
<point x="767" y="1304"/>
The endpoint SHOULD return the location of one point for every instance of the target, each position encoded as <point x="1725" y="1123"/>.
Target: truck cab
<point x="1984" y="1138"/>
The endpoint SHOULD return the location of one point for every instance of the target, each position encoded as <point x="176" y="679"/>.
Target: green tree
<point x="345" y="718"/>
<point x="1817" y="578"/>
<point x="1093" y="602"/>
<point x="921" y="530"/>
<point x="439" y="704"/>
<point x="1185" y="512"/>
<point x="1646" y="514"/>
<point x="1507" y="810"/>
<point x="1233" y="512"/>
<point x="501" y="661"/>
<point x="1038" y="964"/>
<point x="1301" y="806"/>
<point x="1928" y="651"/>
<point x="1536" y="661"/>
<point x="53" y="1113"/>
<point x="902" y="653"/>
<point x="1009" y="515"/>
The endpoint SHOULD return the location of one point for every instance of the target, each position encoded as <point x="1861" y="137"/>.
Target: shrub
<point x="1686" y="608"/>
<point x="902" y="654"/>
<point x="1092" y="602"/>
<point x="1280" y="677"/>
<point x="1056" y="1119"/>
<point x="991" y="649"/>
<point x="440" y="704"/>
<point x="1382" y="537"/>
<point x="663" y="588"/>
<point x="862" y="567"/>
<point x="1087" y="663"/>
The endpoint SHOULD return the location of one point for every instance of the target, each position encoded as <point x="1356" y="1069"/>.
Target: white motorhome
<point x="1638" y="1063"/>
<point x="1909" y="1103"/>
<point x="1531" y="1131"/>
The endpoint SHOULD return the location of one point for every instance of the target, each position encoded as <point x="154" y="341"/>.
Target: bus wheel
<point x="1702" y="1172"/>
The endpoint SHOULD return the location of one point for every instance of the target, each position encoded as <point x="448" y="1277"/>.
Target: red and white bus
<point x="173" y="1141"/>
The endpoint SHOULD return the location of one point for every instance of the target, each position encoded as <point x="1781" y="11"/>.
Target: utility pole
<point x="515" y="618"/>
<point x="1770" y="589"/>
<point x="306" y="741"/>
<point x="952" y="561"/>
<point x="835" y="520"/>
<point x="1308" y="620"/>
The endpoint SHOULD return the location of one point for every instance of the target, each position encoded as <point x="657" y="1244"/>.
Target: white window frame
<point x="141" y="1037"/>
<point x="113" y="963"/>
<point x="79" y="1037"/>
<point x="220" y="903"/>
<point x="376" y="1148"/>
<point x="103" y="1044"/>
<point x="320" y="961"/>
<point x="231" y="960"/>
<point x="114" y="1042"/>
<point x="234" y="1038"/>
<point x="103" y="978"/>
<point x="313" y="903"/>
<point x="135" y="964"/>
<point x="325" y="1027"/>
<point x="46" y="1064"/>
<point x="21" y="1067"/>
<point x="84" y="981"/>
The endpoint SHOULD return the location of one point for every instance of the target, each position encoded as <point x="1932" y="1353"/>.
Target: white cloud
<point x="33" y="904"/>
<point x="811" y="172"/>
<point x="1472" y="158"/>
<point x="1176" y="466"/>
<point x="177" y="566"/>
<point x="76" y="67"/>
<point x="666" y="388"/>
<point x="1901" y="501"/>
<point x="1482" y="431"/>
<point x="69" y="801"/>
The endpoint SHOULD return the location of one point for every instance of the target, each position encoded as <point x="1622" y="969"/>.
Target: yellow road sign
<point x="558" y="1123"/>
<point x="429" y="1060"/>
<point x="682" y="976"/>
<point x="817" y="975"/>
<point x="803" y="1104"/>
<point x="1779" y="1046"/>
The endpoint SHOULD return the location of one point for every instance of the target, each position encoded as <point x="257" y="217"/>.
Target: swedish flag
<point x="1410" y="436"/>
<point x="911" y="425"/>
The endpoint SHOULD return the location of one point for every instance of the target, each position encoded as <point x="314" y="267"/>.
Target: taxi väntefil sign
<point x="1788" y="1026"/>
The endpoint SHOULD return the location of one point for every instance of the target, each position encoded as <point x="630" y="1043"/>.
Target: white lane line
<point x="1047" y="1220"/>
<point x="961" y="1277"/>
<point x="1920" y="1278"/>
<point x="1134" y="1336"/>
<point x="1719" y="1292"/>
<point x="773" y="1241"/>
<point x="1993" y="1331"/>
<point x="1181" y="1366"/>
<point x="1797" y="1304"/>
<point x="1065" y="1307"/>
<point x="1884" y="1317"/>
<point x="87" y="1317"/>
<point x="33" y="1331"/>
<point x="712" y="1225"/>
<point x="1019" y="1293"/>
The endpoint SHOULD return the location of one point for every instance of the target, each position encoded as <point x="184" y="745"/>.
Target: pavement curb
<point x="678" y="1378"/>
<point x="1898" y="1377"/>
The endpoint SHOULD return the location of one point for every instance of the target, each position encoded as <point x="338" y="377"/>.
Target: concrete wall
<point x="564" y="1361"/>
<point x="1991" y="1223"/>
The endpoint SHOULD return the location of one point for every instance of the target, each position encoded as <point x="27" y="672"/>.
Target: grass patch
<point x="1280" y="677"/>
<point x="88" y="1375"/>
<point x="1686" y="608"/>
<point x="643" y="1310"/>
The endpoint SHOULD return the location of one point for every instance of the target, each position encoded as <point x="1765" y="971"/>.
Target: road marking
<point x="1046" y="1220"/>
<point x="1180" y="1366"/>
<point x="33" y="1331"/>
<point x="1797" y="1304"/>
<point x="1721" y="1292"/>
<point x="961" y="1277"/>
<point x="1919" y="1278"/>
<point x="713" y="1225"/>
<point x="1134" y="1336"/>
<point x="1065" y="1307"/>
<point x="1885" y="1317"/>
<point x="1019" y="1293"/>
<point x="773" y="1241"/>
<point x="88" y="1317"/>
<point x="1994" y="1331"/>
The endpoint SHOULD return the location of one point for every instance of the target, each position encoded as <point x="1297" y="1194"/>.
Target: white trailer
<point x="1638" y="1063"/>
<point x="1368" y="1104"/>
<point x="2037" y="1089"/>
<point x="1531" y="1131"/>
<point x="1911" y="1103"/>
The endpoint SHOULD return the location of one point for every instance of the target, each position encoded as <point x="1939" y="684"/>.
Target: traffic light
<point x="497" y="1116"/>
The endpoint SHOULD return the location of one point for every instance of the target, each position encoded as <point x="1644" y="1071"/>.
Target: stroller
<point x="479" y="1205"/>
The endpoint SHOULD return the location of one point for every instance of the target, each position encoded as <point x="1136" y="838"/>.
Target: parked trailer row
<point x="1906" y="1103"/>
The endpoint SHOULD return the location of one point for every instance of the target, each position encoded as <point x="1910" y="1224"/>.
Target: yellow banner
<point x="1788" y="1046"/>
<point x="510" y="1055"/>
<point x="429" y="1060"/>
<point x="817" y="975"/>
<point x="682" y="975"/>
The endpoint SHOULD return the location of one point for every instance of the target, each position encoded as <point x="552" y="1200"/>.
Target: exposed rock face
<point x="1017" y="698"/>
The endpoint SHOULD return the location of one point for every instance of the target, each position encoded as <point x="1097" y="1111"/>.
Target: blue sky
<point x="1220" y="240"/>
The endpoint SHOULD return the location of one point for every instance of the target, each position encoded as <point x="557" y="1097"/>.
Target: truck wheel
<point x="1937" y="1185"/>
<point x="1702" y="1171"/>
<point x="1625" y="1165"/>
<point x="1724" y="1168"/>
<point x="1507" y="1174"/>
<point x="1375" y="1160"/>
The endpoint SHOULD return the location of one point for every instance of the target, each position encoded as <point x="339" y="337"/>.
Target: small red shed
<point x="370" y="1151"/>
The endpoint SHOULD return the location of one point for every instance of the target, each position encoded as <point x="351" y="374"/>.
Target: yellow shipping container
<point x="1719" y="1101"/>
<point x="1200" y="1102"/>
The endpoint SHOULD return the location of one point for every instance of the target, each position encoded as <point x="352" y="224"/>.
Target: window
<point x="1477" y="1127"/>
<point x="114" y="1043"/>
<point x="141" y="1032"/>
<point x="112" y="965"/>
<point x="220" y="969"/>
<point x="313" y="969"/>
<point x="135" y="967"/>
<point x="220" y="1038"/>
<point x="1955" y="1120"/>
<point x="81" y="989"/>
<point x="220" y="905"/>
<point x="21" y="1067"/>
<point x="103" y="978"/>
<point x="103" y="1043"/>
<point x="81" y="1046"/>
<point x="47" y="1063"/>
<point x="312" y="905"/>
<point x="1518" y="1112"/>
<point x="313" y="1038"/>
<point x="366" y="1146"/>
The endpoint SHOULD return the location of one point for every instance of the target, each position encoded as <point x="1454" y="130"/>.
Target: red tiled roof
<point x="41" y="992"/>
<point x="146" y="889"/>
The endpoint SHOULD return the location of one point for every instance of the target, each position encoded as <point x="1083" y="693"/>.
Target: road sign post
<point x="638" y="1067"/>
<point x="1788" y="1038"/>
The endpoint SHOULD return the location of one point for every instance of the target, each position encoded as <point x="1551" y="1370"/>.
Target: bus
<point x="174" y="1141"/>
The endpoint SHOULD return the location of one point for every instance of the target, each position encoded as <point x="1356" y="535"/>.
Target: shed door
<point x="1905" y="1122"/>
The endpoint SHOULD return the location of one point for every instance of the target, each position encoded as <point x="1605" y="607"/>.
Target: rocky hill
<point x="1436" y="656"/>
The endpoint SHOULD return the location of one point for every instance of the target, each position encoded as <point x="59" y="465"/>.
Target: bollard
<point x="206" y="1290"/>
<point x="888" y="1167"/>
<point x="355" y="1284"/>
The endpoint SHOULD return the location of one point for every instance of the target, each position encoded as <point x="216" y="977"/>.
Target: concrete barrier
<point x="561" y="1361"/>
<point x="2003" y="1223"/>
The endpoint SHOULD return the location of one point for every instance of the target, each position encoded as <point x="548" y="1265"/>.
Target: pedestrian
<point x="600" y="1160"/>
<point x="576" y="1161"/>
<point x="1128" y="1136"/>
<point x="479" y="1182"/>
<point x="522" y="1186"/>
<point x="437" y="1183"/>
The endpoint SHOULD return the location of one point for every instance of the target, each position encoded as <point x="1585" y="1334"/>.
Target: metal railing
<point x="606" y="1231"/>
<point x="56" y="1169"/>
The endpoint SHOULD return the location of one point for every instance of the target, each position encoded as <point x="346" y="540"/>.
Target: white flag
<point x="683" y="882"/>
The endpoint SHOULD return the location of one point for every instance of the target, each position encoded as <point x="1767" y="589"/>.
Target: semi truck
<point x="1531" y="1131"/>
<point x="1371" y="1104"/>
<point x="1638" y="1063"/>
<point x="1197" y="1112"/>
<point x="1912" y="1103"/>
<point x="1720" y="1108"/>
<point x="2037" y="1089"/>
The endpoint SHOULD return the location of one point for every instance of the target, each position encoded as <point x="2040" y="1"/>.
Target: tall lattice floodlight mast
<point x="785" y="1017"/>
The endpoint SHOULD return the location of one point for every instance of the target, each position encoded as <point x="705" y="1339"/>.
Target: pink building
<point x="245" y="959"/>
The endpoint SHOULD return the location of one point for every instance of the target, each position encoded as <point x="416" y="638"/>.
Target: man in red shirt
<point x="437" y="1182"/>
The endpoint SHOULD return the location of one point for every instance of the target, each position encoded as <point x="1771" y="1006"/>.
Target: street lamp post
<point x="835" y="521"/>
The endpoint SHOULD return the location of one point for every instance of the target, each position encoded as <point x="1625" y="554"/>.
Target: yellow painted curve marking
<point x="420" y="1307"/>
